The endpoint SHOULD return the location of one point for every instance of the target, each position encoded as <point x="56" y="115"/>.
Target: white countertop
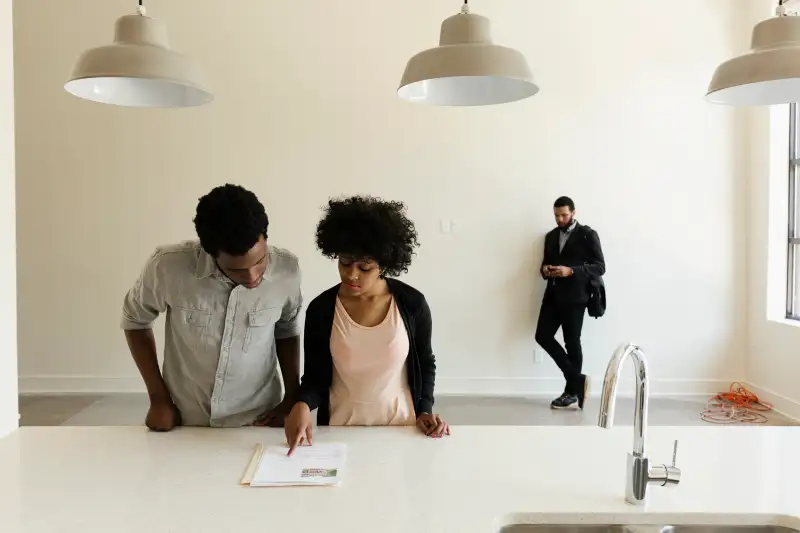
<point x="126" y="479"/>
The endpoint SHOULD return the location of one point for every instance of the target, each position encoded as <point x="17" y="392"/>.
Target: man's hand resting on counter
<point x="298" y="426"/>
<point x="162" y="415"/>
<point x="432" y="425"/>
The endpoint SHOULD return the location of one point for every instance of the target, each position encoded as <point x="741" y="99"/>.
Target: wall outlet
<point x="538" y="355"/>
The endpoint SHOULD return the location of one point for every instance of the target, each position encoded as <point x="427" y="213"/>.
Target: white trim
<point x="9" y="426"/>
<point x="792" y="322"/>
<point x="521" y="387"/>
<point x="79" y="384"/>
<point x="783" y="405"/>
<point x="500" y="386"/>
<point x="777" y="179"/>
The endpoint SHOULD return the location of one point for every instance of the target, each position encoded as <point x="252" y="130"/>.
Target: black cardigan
<point x="318" y="373"/>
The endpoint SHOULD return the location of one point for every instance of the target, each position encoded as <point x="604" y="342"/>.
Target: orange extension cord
<point x="738" y="406"/>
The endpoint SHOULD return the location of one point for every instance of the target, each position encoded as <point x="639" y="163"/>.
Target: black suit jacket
<point x="583" y="254"/>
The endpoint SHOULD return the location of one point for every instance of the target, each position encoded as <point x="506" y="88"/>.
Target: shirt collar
<point x="571" y="227"/>
<point x="207" y="266"/>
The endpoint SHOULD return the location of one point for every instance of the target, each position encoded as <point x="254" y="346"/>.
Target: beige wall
<point x="306" y="109"/>
<point x="8" y="261"/>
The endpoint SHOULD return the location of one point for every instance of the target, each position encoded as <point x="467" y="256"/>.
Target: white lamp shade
<point x="139" y="70"/>
<point x="467" y="69"/>
<point x="767" y="75"/>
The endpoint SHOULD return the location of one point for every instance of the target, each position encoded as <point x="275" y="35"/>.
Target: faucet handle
<point x="665" y="475"/>
<point x="675" y="453"/>
<point x="672" y="474"/>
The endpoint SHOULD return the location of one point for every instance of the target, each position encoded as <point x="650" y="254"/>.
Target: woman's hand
<point x="432" y="425"/>
<point x="298" y="426"/>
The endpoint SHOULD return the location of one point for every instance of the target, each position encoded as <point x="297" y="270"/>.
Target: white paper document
<point x="316" y="465"/>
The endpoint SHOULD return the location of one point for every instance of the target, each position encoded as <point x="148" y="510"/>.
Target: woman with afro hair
<point x="368" y="356"/>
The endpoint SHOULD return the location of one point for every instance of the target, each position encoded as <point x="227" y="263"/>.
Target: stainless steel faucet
<point x="639" y="472"/>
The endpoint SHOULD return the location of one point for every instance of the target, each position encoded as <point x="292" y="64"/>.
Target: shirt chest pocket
<point x="260" y="327"/>
<point x="193" y="324"/>
<point x="194" y="318"/>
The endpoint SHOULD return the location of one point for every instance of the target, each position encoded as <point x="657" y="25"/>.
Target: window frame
<point x="793" y="238"/>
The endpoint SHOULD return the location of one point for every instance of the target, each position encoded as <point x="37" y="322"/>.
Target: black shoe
<point x="565" y="401"/>
<point x="583" y="391"/>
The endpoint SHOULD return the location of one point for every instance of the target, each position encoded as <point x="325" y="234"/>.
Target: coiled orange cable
<point x="737" y="406"/>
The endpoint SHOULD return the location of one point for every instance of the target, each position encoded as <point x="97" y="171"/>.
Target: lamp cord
<point x="738" y="405"/>
<point x="141" y="9"/>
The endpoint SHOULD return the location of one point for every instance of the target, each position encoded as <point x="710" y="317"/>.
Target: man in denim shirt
<point x="232" y="305"/>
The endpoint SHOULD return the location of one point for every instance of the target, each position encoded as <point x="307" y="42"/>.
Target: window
<point x="793" y="255"/>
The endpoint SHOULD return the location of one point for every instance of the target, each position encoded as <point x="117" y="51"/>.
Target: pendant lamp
<point x="467" y="69"/>
<point x="769" y="73"/>
<point x="139" y="69"/>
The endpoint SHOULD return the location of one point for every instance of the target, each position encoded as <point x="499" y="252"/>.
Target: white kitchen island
<point x="126" y="479"/>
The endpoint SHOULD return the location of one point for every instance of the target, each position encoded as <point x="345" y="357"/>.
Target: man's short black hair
<point x="230" y="219"/>
<point x="368" y="228"/>
<point x="565" y="201"/>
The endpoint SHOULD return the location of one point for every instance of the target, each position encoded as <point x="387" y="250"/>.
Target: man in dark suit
<point x="572" y="258"/>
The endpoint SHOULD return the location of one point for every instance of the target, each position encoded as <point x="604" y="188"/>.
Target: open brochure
<point x="317" y="465"/>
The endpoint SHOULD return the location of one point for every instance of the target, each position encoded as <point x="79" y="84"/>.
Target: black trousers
<point x="568" y="317"/>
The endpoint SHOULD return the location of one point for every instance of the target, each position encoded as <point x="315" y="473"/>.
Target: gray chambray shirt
<point x="220" y="362"/>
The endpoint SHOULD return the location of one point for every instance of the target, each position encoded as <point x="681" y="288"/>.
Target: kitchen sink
<point x="594" y="528"/>
<point x="544" y="528"/>
<point x="726" y="529"/>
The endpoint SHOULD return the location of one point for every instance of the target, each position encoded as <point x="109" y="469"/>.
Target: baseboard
<point x="521" y="387"/>
<point x="783" y="405"/>
<point x="8" y="425"/>
<point x="79" y="385"/>
<point x="501" y="386"/>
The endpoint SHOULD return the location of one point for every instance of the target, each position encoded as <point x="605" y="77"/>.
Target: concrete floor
<point x="130" y="409"/>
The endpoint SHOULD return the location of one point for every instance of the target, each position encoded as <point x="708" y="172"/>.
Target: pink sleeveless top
<point x="370" y="381"/>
